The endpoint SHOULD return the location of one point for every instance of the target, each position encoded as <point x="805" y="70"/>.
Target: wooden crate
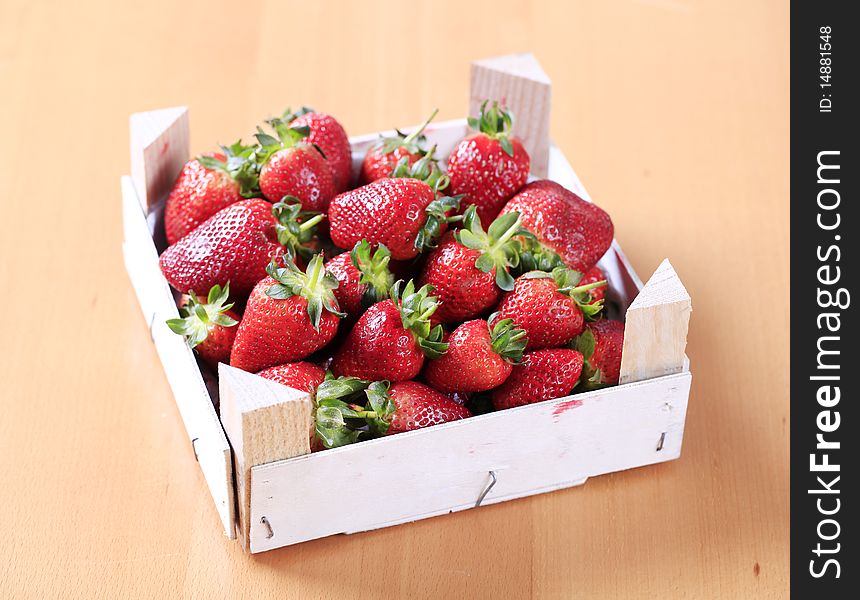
<point x="270" y="492"/>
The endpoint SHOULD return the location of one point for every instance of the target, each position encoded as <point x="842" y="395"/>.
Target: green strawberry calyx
<point x="380" y="408"/>
<point x="314" y="285"/>
<point x="412" y="143"/>
<point x="240" y="164"/>
<point x="567" y="281"/>
<point x="585" y="343"/>
<point x="438" y="212"/>
<point x="285" y="136"/>
<point x="290" y="115"/>
<point x="375" y="274"/>
<point x="534" y="256"/>
<point x="336" y="419"/>
<point x="495" y="123"/>
<point x="295" y="227"/>
<point x="416" y="308"/>
<point x="506" y="339"/>
<point x="499" y="250"/>
<point x="198" y="319"/>
<point x="425" y="169"/>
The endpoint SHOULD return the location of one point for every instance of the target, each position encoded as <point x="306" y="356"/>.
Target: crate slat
<point x="531" y="449"/>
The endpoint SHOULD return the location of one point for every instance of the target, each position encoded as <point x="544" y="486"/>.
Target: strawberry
<point x="364" y="278"/>
<point x="600" y="345"/>
<point x="290" y="166"/>
<point x="236" y="243"/>
<point x="289" y="316"/>
<point x="208" y="326"/>
<point x="578" y="231"/>
<point x="470" y="267"/>
<point x="207" y="184"/>
<point x="542" y="375"/>
<point x="551" y="308"/>
<point x="382" y="158"/>
<point x="489" y="166"/>
<point x="391" y="338"/>
<point x="406" y="406"/>
<point x="330" y="137"/>
<point x="594" y="275"/>
<point x="302" y="376"/>
<point x="536" y="257"/>
<point x="401" y="212"/>
<point x="479" y="357"/>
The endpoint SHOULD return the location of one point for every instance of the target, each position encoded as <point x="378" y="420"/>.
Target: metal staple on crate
<point x="487" y="489"/>
<point x="268" y="526"/>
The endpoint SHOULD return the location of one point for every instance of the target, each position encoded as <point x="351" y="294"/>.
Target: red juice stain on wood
<point x="564" y="407"/>
<point x="756" y="569"/>
<point x="164" y="148"/>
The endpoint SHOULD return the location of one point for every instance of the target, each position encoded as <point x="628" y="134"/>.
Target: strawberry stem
<point x="417" y="133"/>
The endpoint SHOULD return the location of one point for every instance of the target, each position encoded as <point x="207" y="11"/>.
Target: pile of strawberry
<point x="422" y="296"/>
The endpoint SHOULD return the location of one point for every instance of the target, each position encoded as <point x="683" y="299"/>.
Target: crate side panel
<point x="531" y="449"/>
<point x="208" y="440"/>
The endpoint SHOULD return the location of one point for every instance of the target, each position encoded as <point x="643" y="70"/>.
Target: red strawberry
<point x="208" y="326"/>
<point x="470" y="267"/>
<point x="329" y="135"/>
<point x="364" y="278"/>
<point x="408" y="405"/>
<point x="594" y="275"/>
<point x="289" y="316"/>
<point x="489" y="166"/>
<point x="551" y="308"/>
<point x="479" y="357"/>
<point x="207" y="184"/>
<point x="579" y="231"/>
<point x="392" y="337"/>
<point x="382" y="158"/>
<point x="291" y="166"/>
<point x="401" y="212"/>
<point x="235" y="244"/>
<point x="302" y="376"/>
<point x="542" y="375"/>
<point x="600" y="345"/>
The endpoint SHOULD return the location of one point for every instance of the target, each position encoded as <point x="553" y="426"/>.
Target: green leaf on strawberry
<point x="334" y="411"/>
<point x="315" y="285"/>
<point x="495" y="123"/>
<point x="197" y="318"/>
<point x="508" y="340"/>
<point x="240" y="164"/>
<point x="499" y="250"/>
<point x="295" y="227"/>
<point x="412" y="142"/>
<point x="416" y="308"/>
<point x="373" y="267"/>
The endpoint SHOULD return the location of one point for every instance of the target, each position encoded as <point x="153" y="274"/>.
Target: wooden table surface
<point x="674" y="113"/>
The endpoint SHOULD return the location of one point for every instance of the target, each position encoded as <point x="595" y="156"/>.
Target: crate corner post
<point x="265" y="422"/>
<point x="655" y="331"/>
<point x="159" y="148"/>
<point x="521" y="85"/>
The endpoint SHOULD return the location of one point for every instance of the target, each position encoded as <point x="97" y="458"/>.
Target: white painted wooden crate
<point x="268" y="489"/>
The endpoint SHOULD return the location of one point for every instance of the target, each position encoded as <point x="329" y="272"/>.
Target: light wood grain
<point x="546" y="446"/>
<point x="265" y="422"/>
<point x="655" y="330"/>
<point x="159" y="148"/>
<point x="674" y="114"/>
